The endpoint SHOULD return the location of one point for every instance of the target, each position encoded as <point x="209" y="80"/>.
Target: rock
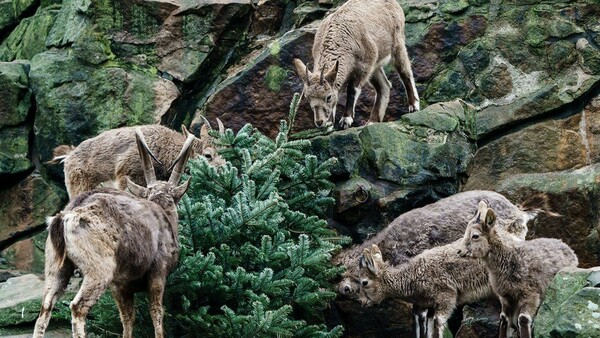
<point x="394" y="319"/>
<point x="25" y="206"/>
<point x="385" y="169"/>
<point x="12" y="10"/>
<point x="76" y="101"/>
<point x="20" y="300"/>
<point x="29" y="37"/>
<point x="14" y="150"/>
<point x="571" y="306"/>
<point x="573" y="194"/>
<point x="480" y="320"/>
<point x="557" y="157"/>
<point x="15" y="96"/>
<point x="243" y="96"/>
<point x="6" y="274"/>
<point x="27" y="255"/>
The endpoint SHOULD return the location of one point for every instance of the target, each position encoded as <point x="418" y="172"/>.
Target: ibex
<point x="439" y="223"/>
<point x="436" y="280"/>
<point x="105" y="160"/>
<point x="351" y="47"/>
<point x="115" y="238"/>
<point x="519" y="271"/>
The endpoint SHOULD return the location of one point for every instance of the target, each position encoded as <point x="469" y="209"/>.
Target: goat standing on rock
<point x="351" y="48"/>
<point x="519" y="271"/>
<point x="118" y="239"/>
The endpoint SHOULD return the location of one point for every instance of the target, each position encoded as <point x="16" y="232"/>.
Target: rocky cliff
<point x="511" y="91"/>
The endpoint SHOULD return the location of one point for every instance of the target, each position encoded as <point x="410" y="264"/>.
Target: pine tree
<point x="255" y="250"/>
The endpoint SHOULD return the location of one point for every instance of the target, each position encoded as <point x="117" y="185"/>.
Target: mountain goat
<point x="351" y="47"/>
<point x="110" y="157"/>
<point x="436" y="280"/>
<point x="115" y="238"/>
<point x="519" y="271"/>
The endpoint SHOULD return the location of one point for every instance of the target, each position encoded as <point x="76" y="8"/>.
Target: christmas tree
<point x="255" y="250"/>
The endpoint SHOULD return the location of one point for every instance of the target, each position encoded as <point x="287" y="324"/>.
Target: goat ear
<point x="332" y="73"/>
<point x="136" y="189"/>
<point x="376" y="254"/>
<point x="180" y="190"/>
<point x="368" y="262"/>
<point x="302" y="70"/>
<point x="490" y="220"/>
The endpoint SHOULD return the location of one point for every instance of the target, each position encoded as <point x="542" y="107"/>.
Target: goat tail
<point x="56" y="231"/>
<point x="536" y="204"/>
<point x="61" y="153"/>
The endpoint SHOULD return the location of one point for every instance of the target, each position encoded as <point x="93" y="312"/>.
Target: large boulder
<point x="559" y="157"/>
<point x="386" y="169"/>
<point x="571" y="306"/>
<point x="25" y="206"/>
<point x="15" y="105"/>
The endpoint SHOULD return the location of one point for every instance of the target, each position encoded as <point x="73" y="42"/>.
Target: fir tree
<point x="255" y="256"/>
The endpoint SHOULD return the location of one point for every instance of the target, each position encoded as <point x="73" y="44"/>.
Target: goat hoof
<point x="414" y="107"/>
<point x="346" y="122"/>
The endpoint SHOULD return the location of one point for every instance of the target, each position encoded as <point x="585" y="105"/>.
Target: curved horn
<point x="221" y="127"/>
<point x="206" y="121"/>
<point x="145" y="155"/>
<point x="307" y="75"/>
<point x="322" y="75"/>
<point x="181" y="160"/>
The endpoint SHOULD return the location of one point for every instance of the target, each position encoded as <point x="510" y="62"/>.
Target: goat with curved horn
<point x="126" y="241"/>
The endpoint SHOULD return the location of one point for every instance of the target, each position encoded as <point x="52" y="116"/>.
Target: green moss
<point x="29" y="37"/>
<point x="274" y="78"/>
<point x="14" y="150"/>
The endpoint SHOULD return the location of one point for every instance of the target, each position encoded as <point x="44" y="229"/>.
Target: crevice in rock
<point x="21" y="235"/>
<point x="194" y="94"/>
<point x="560" y="113"/>
<point x="29" y="12"/>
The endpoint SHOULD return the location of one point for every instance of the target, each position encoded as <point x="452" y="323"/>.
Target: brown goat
<point x="519" y="271"/>
<point x="129" y="242"/>
<point x="105" y="160"/>
<point x="351" y="47"/>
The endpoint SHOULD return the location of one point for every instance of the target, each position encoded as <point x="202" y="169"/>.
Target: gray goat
<point x="129" y="242"/>
<point x="519" y="271"/>
<point x="351" y="47"/>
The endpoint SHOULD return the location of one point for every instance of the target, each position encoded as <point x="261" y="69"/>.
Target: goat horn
<point x="206" y="121"/>
<point x="221" y="127"/>
<point x="181" y="160"/>
<point x="322" y="75"/>
<point x="307" y="76"/>
<point x="145" y="155"/>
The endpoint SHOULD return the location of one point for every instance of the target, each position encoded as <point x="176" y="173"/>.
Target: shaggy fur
<point x="105" y="160"/>
<point x="436" y="280"/>
<point x="351" y="47"/>
<point x="519" y="271"/>
<point x="118" y="239"/>
<point x="436" y="224"/>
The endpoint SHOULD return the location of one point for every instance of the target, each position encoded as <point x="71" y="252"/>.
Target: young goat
<point x="435" y="224"/>
<point x="118" y="239"/>
<point x="519" y="271"/>
<point x="111" y="156"/>
<point x="437" y="280"/>
<point x="351" y="48"/>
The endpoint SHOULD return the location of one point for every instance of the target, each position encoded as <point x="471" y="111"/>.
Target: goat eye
<point x="365" y="283"/>
<point x="475" y="236"/>
<point x="328" y="98"/>
<point x="208" y="156"/>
